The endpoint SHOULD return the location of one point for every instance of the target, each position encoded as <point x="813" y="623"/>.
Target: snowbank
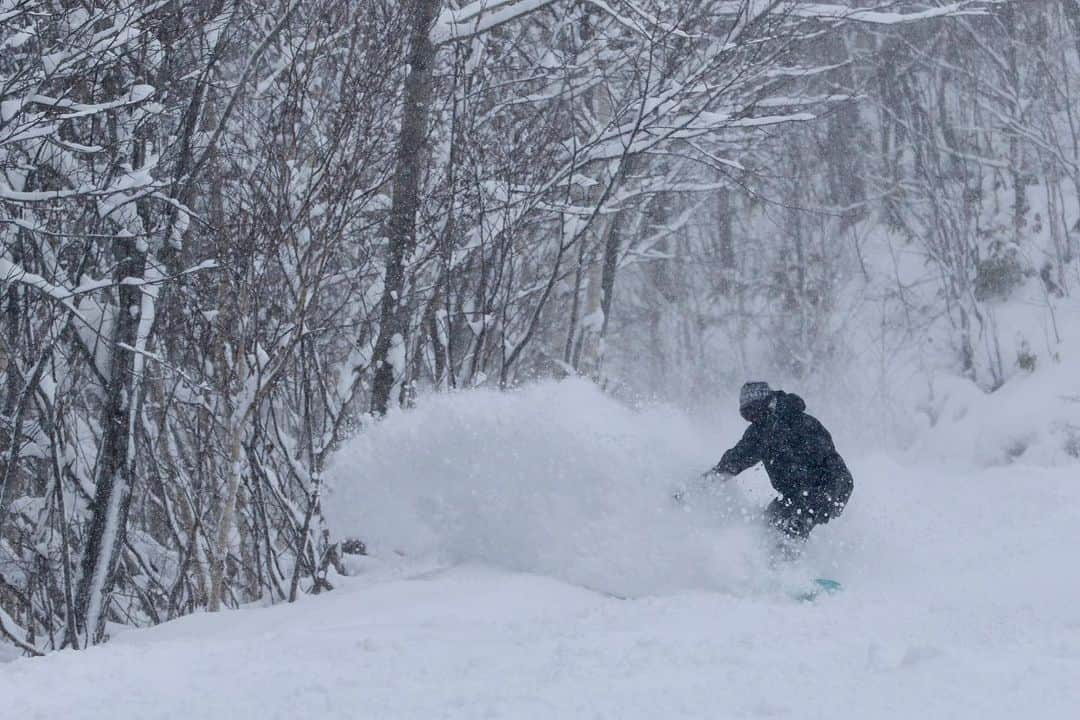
<point x="959" y="592"/>
<point x="555" y="479"/>
<point x="959" y="602"/>
<point x="1033" y="419"/>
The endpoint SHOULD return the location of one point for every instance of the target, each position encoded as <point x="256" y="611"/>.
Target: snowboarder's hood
<point x="788" y="404"/>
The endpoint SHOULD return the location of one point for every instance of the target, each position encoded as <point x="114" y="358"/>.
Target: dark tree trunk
<point x="401" y="235"/>
<point x="612" y="248"/>
<point x="116" y="461"/>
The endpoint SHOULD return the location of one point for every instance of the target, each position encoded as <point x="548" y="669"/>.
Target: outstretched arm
<point x="747" y="452"/>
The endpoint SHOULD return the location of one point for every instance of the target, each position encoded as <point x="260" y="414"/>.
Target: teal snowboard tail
<point x="821" y="586"/>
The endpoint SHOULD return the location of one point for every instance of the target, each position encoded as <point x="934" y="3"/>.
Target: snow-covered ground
<point x="501" y="527"/>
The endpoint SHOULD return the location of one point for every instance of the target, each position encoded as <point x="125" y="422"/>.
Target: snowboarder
<point x="799" y="457"/>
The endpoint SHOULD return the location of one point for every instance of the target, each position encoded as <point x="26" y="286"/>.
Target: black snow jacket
<point x="798" y="455"/>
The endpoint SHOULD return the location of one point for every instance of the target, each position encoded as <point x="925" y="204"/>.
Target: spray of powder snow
<point x="554" y="479"/>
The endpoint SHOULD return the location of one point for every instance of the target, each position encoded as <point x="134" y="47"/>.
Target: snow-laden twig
<point x="11" y="630"/>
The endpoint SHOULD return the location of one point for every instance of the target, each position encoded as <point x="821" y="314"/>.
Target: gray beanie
<point x="753" y="392"/>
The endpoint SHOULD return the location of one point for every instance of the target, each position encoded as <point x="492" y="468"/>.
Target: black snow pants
<point x="791" y="523"/>
<point x="790" y="518"/>
<point x="793" y="520"/>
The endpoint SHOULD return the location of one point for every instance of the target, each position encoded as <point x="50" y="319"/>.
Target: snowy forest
<point x="236" y="233"/>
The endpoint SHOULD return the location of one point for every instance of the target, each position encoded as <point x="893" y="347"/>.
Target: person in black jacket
<point x="798" y="453"/>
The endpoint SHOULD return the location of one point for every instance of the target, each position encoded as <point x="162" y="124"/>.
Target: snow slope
<point x="961" y="600"/>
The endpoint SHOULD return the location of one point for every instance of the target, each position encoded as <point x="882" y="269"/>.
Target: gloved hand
<point x="683" y="491"/>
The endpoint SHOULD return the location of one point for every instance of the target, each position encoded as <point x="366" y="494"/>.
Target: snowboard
<point x="820" y="587"/>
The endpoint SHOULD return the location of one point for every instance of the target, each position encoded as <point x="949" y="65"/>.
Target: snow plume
<point x="555" y="479"/>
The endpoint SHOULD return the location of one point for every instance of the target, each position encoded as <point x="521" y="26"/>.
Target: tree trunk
<point x="401" y="235"/>
<point x="587" y="351"/>
<point x="1072" y="14"/>
<point x="116" y="461"/>
<point x="228" y="513"/>
<point x="725" y="228"/>
<point x="612" y="248"/>
<point x="844" y="134"/>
